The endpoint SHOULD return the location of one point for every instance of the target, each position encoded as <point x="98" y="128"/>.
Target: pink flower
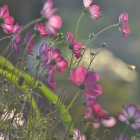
<point x="17" y="38"/>
<point x="87" y="81"/>
<point x="40" y="28"/>
<point x="52" y="61"/>
<point x="124" y="26"/>
<point x="53" y="21"/>
<point x="77" y="135"/>
<point x="30" y="43"/>
<point x="73" y="45"/>
<point x="94" y="10"/>
<point x="131" y="116"/>
<point x="6" y="21"/>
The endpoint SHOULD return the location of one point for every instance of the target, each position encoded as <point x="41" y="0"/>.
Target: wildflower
<point x="123" y="22"/>
<point x="52" y="21"/>
<point x="40" y="29"/>
<point x="52" y="61"/>
<point x="6" y="21"/>
<point x="131" y="116"/>
<point x="87" y="81"/>
<point x="17" y="38"/>
<point x="77" y="135"/>
<point x="73" y="45"/>
<point x="29" y="42"/>
<point x="100" y="115"/>
<point x="94" y="10"/>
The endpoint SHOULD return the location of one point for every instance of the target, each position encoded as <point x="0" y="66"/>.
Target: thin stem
<point x="103" y="30"/>
<point x="73" y="100"/>
<point x="29" y="24"/>
<point x="5" y="37"/>
<point x="78" y="22"/>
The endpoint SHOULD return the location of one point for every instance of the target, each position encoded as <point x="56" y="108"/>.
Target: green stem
<point x="29" y="24"/>
<point x="78" y="22"/>
<point x="103" y="30"/>
<point x="5" y="37"/>
<point x="73" y="100"/>
<point x="43" y="89"/>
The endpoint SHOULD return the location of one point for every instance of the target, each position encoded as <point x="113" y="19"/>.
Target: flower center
<point x="131" y="120"/>
<point x="1" y="20"/>
<point x="82" y="86"/>
<point x="53" y="62"/>
<point x="70" y="46"/>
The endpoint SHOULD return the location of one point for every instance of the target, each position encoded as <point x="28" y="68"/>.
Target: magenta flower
<point x="17" y="38"/>
<point x="100" y="115"/>
<point x="73" y="45"/>
<point x="94" y="10"/>
<point x="77" y="135"/>
<point x="123" y="22"/>
<point x="52" y="61"/>
<point x="131" y="116"/>
<point x="122" y="138"/>
<point x="6" y="21"/>
<point x="87" y="81"/>
<point x="53" y="21"/>
<point x="40" y="29"/>
<point x="30" y="43"/>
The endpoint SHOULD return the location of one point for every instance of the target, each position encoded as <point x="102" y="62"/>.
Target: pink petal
<point x="50" y="82"/>
<point x="4" y="12"/>
<point x="9" y="20"/>
<point x="55" y="22"/>
<point x="95" y="12"/>
<point x="110" y="122"/>
<point x="87" y="3"/>
<point x="78" y="76"/>
<point x="121" y="117"/>
<point x="62" y="65"/>
<point x="131" y="109"/>
<point x="125" y="112"/>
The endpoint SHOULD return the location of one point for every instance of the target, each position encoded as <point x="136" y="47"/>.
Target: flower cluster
<point x="94" y="10"/>
<point x="51" y="21"/>
<point x="52" y="60"/>
<point x="123" y="23"/>
<point x="87" y="81"/>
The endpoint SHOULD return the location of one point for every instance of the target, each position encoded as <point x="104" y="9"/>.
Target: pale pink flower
<point x="77" y="135"/>
<point x="17" y="38"/>
<point x="6" y="21"/>
<point x="74" y="45"/>
<point x="123" y="23"/>
<point x="53" y="21"/>
<point x="87" y="3"/>
<point x="131" y="116"/>
<point x="30" y="43"/>
<point x="94" y="10"/>
<point x="87" y="81"/>
<point x="52" y="61"/>
<point x="40" y="29"/>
